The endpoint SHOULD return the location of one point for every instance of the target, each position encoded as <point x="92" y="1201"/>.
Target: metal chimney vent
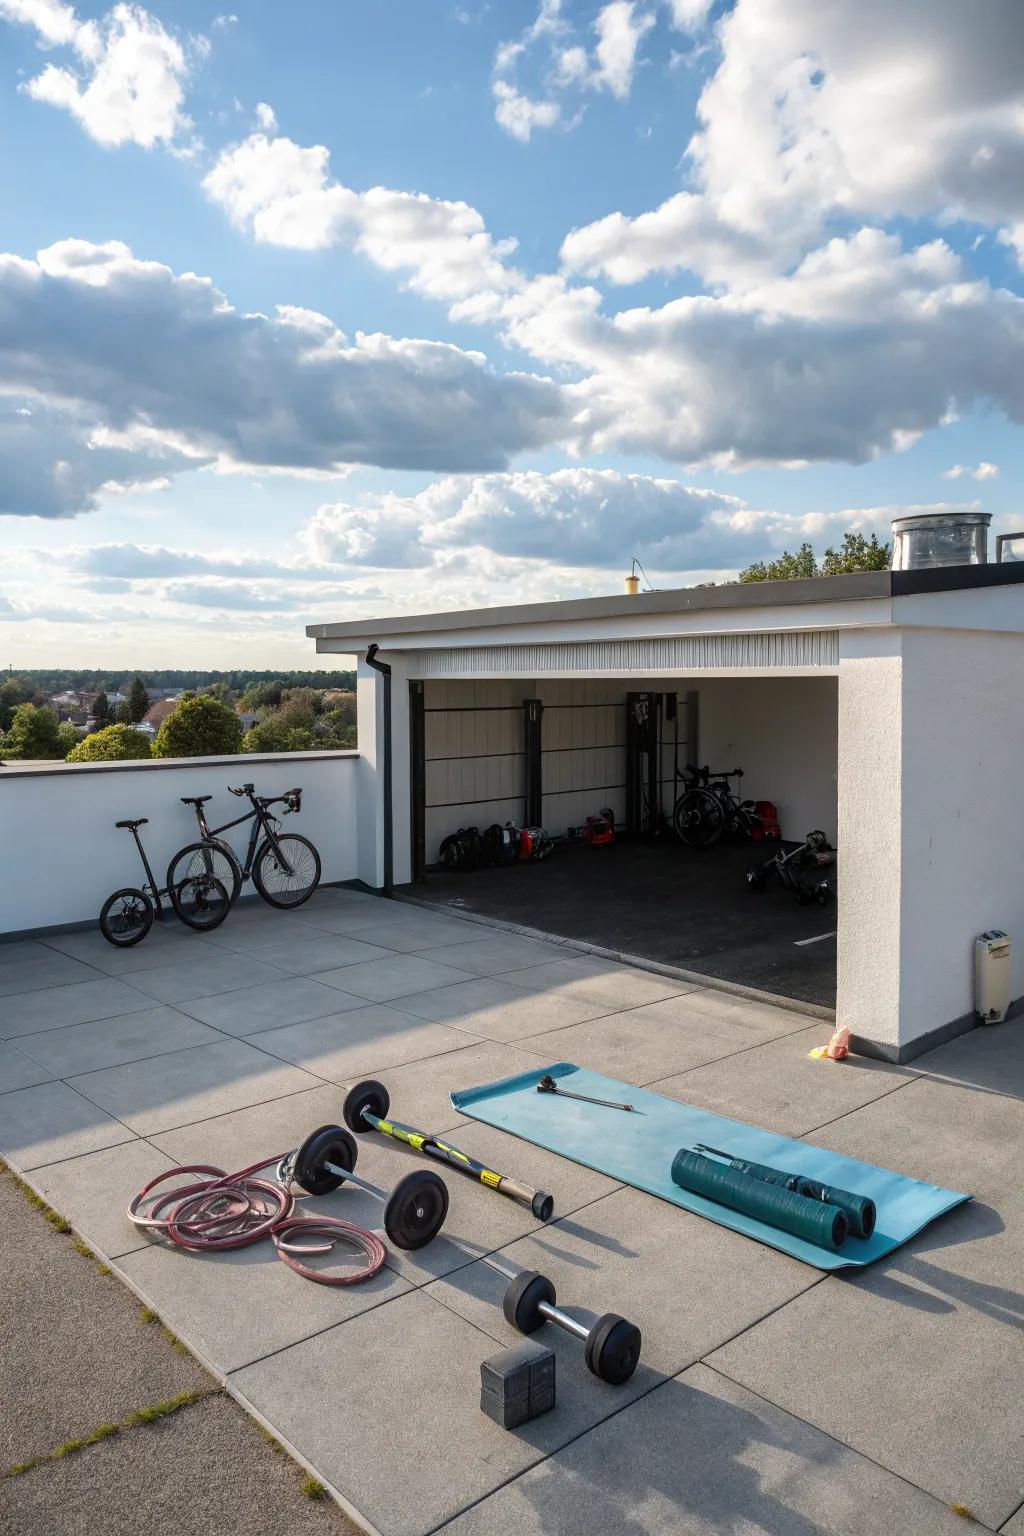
<point x="940" y="538"/>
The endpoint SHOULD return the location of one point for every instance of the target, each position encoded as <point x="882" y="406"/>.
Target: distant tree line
<point x="47" y="681"/>
<point x="268" y="716"/>
<point x="856" y="553"/>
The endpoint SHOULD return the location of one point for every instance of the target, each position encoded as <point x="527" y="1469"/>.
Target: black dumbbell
<point x="611" y="1346"/>
<point x="414" y="1211"/>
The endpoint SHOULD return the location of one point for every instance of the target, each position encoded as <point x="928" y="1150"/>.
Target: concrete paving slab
<point x="746" y="1012"/>
<point x="381" y="981"/>
<point x="779" y="1087"/>
<point x="419" y="1090"/>
<point x="424" y="1363"/>
<point x="18" y="1070"/>
<point x="237" y="1139"/>
<point x="168" y="1091"/>
<point x="75" y="1353"/>
<point x="51" y="1121"/>
<point x="638" y="1046"/>
<point x="653" y="1263"/>
<point x="345" y="917"/>
<point x="48" y="969"/>
<point x="321" y="952"/>
<point x="54" y="1007"/>
<point x="700" y="1456"/>
<point x="93" y="1192"/>
<point x="165" y="943"/>
<point x="13" y="951"/>
<point x="964" y="1138"/>
<point x="249" y="933"/>
<point x="131" y="1484"/>
<point x="493" y="1007"/>
<point x="1014" y="1526"/>
<point x="109" y="1042"/>
<point x="275" y="1003"/>
<point x="421" y="931"/>
<point x="602" y="981"/>
<point x="359" y="1042"/>
<point x="237" y="1307"/>
<point x="930" y="1388"/>
<point x="222" y="972"/>
<point x="491" y="954"/>
<point x="990" y="1058"/>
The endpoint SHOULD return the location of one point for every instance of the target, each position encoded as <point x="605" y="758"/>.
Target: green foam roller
<point x="813" y="1220"/>
<point x="860" y="1211"/>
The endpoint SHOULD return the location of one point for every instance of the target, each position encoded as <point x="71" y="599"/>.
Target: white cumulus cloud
<point x="162" y="363"/>
<point x="127" y="82"/>
<point x="982" y="471"/>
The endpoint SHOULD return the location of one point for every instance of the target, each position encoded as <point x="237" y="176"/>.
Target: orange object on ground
<point x="837" y="1049"/>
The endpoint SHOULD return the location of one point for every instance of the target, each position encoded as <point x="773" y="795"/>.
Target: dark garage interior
<point x="550" y="753"/>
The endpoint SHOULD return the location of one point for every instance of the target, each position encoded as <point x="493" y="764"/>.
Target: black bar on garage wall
<point x="533" y="711"/>
<point x="642" y="770"/>
<point x="418" y="782"/>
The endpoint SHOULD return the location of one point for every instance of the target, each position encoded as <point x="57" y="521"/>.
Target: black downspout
<point x="389" y="838"/>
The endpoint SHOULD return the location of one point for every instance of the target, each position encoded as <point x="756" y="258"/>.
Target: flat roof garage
<point x="880" y="707"/>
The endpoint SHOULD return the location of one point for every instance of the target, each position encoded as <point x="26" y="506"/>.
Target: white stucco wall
<point x="61" y="855"/>
<point x="783" y="733"/>
<point x="869" y="821"/>
<point x="962" y="863"/>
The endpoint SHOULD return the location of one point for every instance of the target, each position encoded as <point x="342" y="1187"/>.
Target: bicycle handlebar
<point x="246" y="789"/>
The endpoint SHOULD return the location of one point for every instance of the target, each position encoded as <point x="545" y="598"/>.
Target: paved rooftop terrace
<point x="770" y="1397"/>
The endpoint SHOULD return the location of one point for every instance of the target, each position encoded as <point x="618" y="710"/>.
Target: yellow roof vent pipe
<point x="633" y="579"/>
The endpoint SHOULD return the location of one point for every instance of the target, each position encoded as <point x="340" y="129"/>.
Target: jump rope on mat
<point x="217" y="1211"/>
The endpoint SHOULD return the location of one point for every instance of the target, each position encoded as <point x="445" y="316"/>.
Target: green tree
<point x="101" y="711"/>
<point x="67" y="738"/>
<point x="336" y="729"/>
<point x="276" y="734"/>
<point x="114" y="744"/>
<point x="857" y="554"/>
<point x="12" y="693"/>
<point x="137" y="702"/>
<point x="786" y="568"/>
<point x="220" y="691"/>
<point x="199" y="727"/>
<point x="261" y="696"/>
<point x="34" y="733"/>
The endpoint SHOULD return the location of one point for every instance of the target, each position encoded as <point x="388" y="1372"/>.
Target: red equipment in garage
<point x="766" y="826"/>
<point x="599" y="830"/>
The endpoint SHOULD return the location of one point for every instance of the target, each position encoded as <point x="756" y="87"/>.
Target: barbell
<point x="611" y="1346"/>
<point x="414" y="1211"/>
<point x="366" y="1108"/>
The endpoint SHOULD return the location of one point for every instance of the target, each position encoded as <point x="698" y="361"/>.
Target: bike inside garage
<point x="551" y="752"/>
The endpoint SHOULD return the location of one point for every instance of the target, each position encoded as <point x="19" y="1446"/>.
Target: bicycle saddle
<point x="195" y="799"/>
<point x="142" y="821"/>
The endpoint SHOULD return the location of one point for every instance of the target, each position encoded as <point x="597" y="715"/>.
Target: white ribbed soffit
<point x="800" y="648"/>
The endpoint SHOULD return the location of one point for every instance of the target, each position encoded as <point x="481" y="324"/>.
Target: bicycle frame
<point x="261" y="820"/>
<point x="152" y="889"/>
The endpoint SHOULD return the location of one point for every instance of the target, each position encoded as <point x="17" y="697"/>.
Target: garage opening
<point x="551" y="752"/>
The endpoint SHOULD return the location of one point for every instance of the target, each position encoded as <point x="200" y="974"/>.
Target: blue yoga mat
<point x="638" y="1149"/>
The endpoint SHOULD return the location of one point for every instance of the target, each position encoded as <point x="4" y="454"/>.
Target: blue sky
<point x="315" y="311"/>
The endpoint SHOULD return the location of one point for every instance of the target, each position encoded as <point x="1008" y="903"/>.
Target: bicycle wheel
<point x="214" y="858"/>
<point x="285" y="886"/>
<point x="127" y="917"/>
<point x="698" y="818"/>
<point x="201" y="902"/>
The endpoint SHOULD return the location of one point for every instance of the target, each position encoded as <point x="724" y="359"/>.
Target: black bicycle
<point x="199" y="899"/>
<point x="708" y="807"/>
<point x="284" y="867"/>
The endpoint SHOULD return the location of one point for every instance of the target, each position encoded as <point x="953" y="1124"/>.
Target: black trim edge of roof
<point x="956" y="578"/>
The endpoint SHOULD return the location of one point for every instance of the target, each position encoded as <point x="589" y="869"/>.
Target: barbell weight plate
<point x="327" y="1144"/>
<point x="369" y="1095"/>
<point x="612" y="1350"/>
<point x="416" y="1209"/>
<point x="522" y="1300"/>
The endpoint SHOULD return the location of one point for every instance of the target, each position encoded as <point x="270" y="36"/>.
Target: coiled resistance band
<point x="217" y="1211"/>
